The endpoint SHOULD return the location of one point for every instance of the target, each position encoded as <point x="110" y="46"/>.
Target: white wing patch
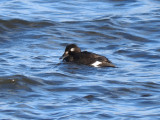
<point x="96" y="64"/>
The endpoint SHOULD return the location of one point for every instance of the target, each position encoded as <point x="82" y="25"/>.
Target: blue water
<point x="35" y="84"/>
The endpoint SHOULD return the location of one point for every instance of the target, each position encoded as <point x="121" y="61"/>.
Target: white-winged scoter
<point x="73" y="54"/>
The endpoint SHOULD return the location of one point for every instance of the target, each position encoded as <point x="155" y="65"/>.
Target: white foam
<point x="96" y="64"/>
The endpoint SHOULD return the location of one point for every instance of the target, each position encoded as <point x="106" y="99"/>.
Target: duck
<point x="74" y="54"/>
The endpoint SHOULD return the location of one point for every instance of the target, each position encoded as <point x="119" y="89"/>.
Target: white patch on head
<point x="96" y="64"/>
<point x="72" y="49"/>
<point x="66" y="52"/>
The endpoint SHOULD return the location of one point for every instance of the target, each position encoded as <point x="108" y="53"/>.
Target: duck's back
<point x="92" y="59"/>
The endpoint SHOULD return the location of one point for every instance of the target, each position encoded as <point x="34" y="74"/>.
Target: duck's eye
<point x="72" y="49"/>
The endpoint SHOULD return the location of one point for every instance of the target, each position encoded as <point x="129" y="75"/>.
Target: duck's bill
<point x="63" y="56"/>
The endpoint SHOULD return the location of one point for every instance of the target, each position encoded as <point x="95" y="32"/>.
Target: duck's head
<point x="70" y="49"/>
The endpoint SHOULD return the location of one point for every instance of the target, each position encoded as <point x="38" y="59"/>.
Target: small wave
<point x="132" y="37"/>
<point x="16" y="23"/>
<point x="18" y="82"/>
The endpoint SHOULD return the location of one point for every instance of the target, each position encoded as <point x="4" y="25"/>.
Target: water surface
<point x="35" y="84"/>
